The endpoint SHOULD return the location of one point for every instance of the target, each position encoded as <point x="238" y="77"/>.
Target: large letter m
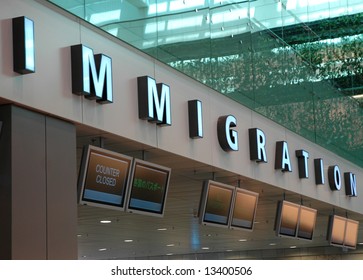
<point x="91" y="74"/>
<point x="154" y="101"/>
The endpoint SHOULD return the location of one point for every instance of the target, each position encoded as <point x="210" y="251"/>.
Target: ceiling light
<point x="358" y="96"/>
<point x="162" y="229"/>
<point x="229" y="250"/>
<point x="272" y="244"/>
<point x="242" y="240"/>
<point x="79" y="235"/>
<point x="128" y="240"/>
<point x="170" y="245"/>
<point x="360" y="243"/>
<point x="293" y="247"/>
<point x="169" y="254"/>
<point x="205" y="248"/>
<point x="105" y="222"/>
<point x="102" y="249"/>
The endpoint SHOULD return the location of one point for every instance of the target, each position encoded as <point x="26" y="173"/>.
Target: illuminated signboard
<point x="23" y="45"/>
<point x="148" y="188"/>
<point x="343" y="232"/>
<point x="244" y="209"/>
<point x="216" y="203"/>
<point x="294" y="220"/>
<point x="103" y="178"/>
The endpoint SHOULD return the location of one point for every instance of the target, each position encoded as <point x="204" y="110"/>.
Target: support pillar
<point x="38" y="207"/>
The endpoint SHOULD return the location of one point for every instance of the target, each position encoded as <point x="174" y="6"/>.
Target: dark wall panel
<point x="28" y="185"/>
<point x="61" y="189"/>
<point x="38" y="208"/>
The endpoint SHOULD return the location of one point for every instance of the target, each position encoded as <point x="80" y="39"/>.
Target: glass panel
<point x="231" y="52"/>
<point x="185" y="44"/>
<point x="76" y="7"/>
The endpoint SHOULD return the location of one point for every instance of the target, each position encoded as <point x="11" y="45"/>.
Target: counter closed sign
<point x="106" y="178"/>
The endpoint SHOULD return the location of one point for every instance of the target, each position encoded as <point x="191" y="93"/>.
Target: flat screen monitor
<point x="244" y="209"/>
<point x="351" y="234"/>
<point x="343" y="232"/>
<point x="216" y="203"/>
<point x="295" y="220"/>
<point x="306" y="226"/>
<point x="103" y="178"/>
<point x="287" y="219"/>
<point x="337" y="230"/>
<point x="148" y="188"/>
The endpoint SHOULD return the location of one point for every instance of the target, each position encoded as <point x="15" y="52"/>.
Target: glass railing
<point x="297" y="62"/>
